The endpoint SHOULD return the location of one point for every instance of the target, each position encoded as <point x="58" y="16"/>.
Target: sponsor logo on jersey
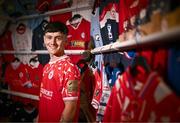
<point x="78" y="44"/>
<point x="48" y="94"/>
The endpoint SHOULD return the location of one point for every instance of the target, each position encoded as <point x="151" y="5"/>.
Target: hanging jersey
<point x="35" y="76"/>
<point x="38" y="42"/>
<point x="104" y="96"/>
<point x="57" y="87"/>
<point x="98" y="89"/>
<point x="78" y="37"/>
<point x="96" y="36"/>
<point x="15" y="76"/>
<point x="139" y="98"/>
<point x="174" y="69"/>
<point x="21" y="38"/>
<point x="108" y="15"/>
<point x="61" y="17"/>
<point x="6" y="44"/>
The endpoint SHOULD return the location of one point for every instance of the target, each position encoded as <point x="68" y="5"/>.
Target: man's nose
<point x="53" y="41"/>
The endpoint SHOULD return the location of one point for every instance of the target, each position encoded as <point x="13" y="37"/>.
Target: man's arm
<point x="69" y="111"/>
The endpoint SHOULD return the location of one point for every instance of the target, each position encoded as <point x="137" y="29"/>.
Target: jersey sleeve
<point x="71" y="86"/>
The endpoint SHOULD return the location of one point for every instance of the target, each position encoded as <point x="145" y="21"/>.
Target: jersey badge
<point x="51" y="74"/>
<point x="72" y="86"/>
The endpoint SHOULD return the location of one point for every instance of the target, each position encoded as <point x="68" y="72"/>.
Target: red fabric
<point x="148" y="102"/>
<point x="43" y="5"/>
<point x="157" y="60"/>
<point x="35" y="77"/>
<point x="123" y="15"/>
<point x="98" y="89"/>
<point x="78" y="38"/>
<point x="6" y="44"/>
<point x="61" y="17"/>
<point x="15" y="79"/>
<point x="54" y="89"/>
<point x="128" y="9"/>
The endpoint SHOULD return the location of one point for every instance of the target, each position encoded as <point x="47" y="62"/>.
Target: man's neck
<point x="55" y="58"/>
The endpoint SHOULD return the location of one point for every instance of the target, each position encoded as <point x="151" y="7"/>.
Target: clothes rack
<point x="54" y="12"/>
<point x="68" y="52"/>
<point x="15" y="93"/>
<point x="155" y="39"/>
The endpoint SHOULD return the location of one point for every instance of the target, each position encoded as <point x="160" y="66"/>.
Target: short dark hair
<point x="56" y="27"/>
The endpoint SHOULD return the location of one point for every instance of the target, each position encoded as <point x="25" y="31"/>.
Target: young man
<point x="59" y="92"/>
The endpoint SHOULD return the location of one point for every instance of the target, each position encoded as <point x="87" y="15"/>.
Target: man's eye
<point x="48" y="37"/>
<point x="58" y="38"/>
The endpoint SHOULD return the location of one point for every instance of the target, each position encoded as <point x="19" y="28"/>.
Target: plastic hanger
<point x="140" y="64"/>
<point x="75" y="16"/>
<point x="83" y="63"/>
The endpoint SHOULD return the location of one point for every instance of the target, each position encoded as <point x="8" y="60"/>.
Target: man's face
<point x="55" y="42"/>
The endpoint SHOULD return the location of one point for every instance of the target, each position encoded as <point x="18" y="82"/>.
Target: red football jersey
<point x="61" y="17"/>
<point x="141" y="98"/>
<point x="15" y="76"/>
<point x="78" y="37"/>
<point x="98" y="89"/>
<point x="35" y="78"/>
<point x="56" y="88"/>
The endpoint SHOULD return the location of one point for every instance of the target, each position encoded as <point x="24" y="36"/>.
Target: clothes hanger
<point x="95" y="5"/>
<point x="138" y="65"/>
<point x="75" y="17"/>
<point x="83" y="63"/>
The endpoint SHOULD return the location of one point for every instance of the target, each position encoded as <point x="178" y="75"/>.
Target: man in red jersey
<point x="59" y="91"/>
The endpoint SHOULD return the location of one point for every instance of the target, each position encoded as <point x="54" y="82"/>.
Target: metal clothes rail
<point x="15" y="93"/>
<point x="54" y="12"/>
<point x="68" y="52"/>
<point x="158" y="38"/>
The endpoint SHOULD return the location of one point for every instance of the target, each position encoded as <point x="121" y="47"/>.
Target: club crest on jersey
<point x="20" y="74"/>
<point x="83" y="35"/>
<point x="72" y="86"/>
<point x="51" y="74"/>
